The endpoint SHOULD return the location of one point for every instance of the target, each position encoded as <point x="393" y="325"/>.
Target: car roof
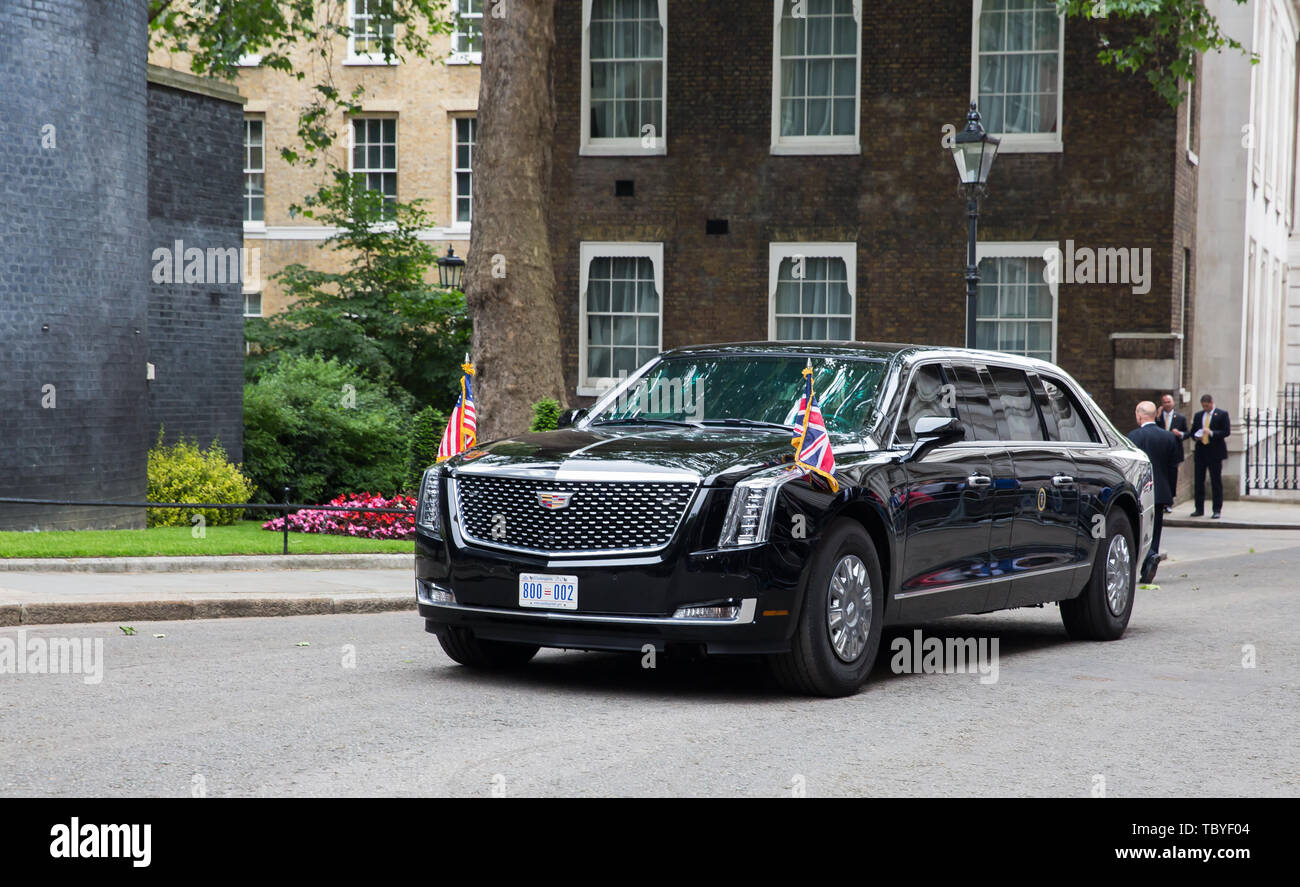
<point x="877" y="350"/>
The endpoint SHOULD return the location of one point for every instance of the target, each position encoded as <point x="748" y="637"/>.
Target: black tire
<point x="812" y="667"/>
<point x="1089" y="617"/>
<point x="463" y="646"/>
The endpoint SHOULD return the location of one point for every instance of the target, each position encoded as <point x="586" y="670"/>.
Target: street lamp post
<point x="450" y="268"/>
<point x="973" y="151"/>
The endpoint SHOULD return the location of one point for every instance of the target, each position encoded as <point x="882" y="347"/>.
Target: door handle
<point x="1062" y="480"/>
<point x="979" y="480"/>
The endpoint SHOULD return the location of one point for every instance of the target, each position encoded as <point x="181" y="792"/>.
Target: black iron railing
<point x="1272" y="444"/>
<point x="286" y="507"/>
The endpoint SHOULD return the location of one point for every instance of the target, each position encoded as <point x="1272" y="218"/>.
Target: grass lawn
<point x="245" y="537"/>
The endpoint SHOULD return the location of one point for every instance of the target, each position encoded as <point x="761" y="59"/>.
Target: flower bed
<point x="363" y="524"/>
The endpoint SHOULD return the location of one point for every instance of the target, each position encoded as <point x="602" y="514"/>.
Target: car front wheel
<point x="838" y="633"/>
<point x="463" y="646"/>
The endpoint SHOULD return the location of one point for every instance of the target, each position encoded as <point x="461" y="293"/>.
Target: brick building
<point x="413" y="139"/>
<point x="702" y="148"/>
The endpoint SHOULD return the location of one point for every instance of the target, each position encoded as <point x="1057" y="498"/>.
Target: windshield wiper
<point x="750" y="423"/>
<point x="641" y="420"/>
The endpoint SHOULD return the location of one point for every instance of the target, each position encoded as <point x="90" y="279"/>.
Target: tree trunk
<point x="509" y="280"/>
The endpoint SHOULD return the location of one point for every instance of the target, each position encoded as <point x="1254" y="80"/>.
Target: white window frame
<point x="588" y="250"/>
<point x="814" y="144"/>
<point x="779" y="252"/>
<point x="247" y="295"/>
<point x="453" y="222"/>
<point x="249" y="60"/>
<point x="590" y="147"/>
<point x="397" y="157"/>
<point x="248" y="224"/>
<point x="458" y="57"/>
<point x="365" y="58"/>
<point x="1022" y="142"/>
<point x="1027" y="249"/>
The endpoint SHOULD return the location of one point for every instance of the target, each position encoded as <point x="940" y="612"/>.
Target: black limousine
<point x="669" y="514"/>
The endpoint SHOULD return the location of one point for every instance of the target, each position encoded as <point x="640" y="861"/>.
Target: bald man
<point x="1163" y="449"/>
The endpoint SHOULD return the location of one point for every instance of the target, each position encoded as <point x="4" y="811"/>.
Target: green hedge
<point x="183" y="473"/>
<point x="546" y="415"/>
<point x="427" y="428"/>
<point x="324" y="430"/>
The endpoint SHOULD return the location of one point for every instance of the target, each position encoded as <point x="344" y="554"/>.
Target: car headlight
<point x="429" y="515"/>
<point x="749" y="516"/>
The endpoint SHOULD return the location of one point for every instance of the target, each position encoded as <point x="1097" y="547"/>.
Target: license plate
<point x="551" y="592"/>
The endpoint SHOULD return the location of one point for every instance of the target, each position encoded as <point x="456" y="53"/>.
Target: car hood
<point x="706" y="455"/>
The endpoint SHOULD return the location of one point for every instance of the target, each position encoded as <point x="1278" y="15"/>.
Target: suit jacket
<point x="1163" y="450"/>
<point x="1220" y="427"/>
<point x="1177" y="422"/>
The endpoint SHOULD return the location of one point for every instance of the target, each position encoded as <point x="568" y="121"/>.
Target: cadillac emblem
<point x="554" y="501"/>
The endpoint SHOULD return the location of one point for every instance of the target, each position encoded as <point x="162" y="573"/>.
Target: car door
<point x="1095" y="475"/>
<point x="1044" y="547"/>
<point x="945" y="551"/>
<point x="977" y="402"/>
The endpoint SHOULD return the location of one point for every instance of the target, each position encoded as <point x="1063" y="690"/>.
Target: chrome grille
<point x="601" y="517"/>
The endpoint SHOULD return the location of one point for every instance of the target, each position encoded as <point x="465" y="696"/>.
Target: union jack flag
<point x="812" y="448"/>
<point x="461" y="430"/>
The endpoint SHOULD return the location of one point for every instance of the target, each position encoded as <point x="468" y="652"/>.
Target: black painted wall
<point x="196" y="330"/>
<point x="100" y="169"/>
<point x="73" y="197"/>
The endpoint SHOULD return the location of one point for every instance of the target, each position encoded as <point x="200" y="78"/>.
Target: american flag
<point x="813" y="446"/>
<point x="461" y="430"/>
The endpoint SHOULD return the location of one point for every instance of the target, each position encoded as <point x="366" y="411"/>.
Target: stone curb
<point x="208" y="563"/>
<point x="63" y="612"/>
<point x="1202" y="523"/>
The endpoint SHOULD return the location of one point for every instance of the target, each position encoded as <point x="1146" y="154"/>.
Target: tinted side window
<point x="927" y="395"/>
<point x="1022" y="422"/>
<point x="973" y="405"/>
<point x="1072" y="425"/>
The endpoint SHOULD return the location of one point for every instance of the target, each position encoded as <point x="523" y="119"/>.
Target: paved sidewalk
<point x="33" y="598"/>
<point x="1240" y="514"/>
<point x="206" y="563"/>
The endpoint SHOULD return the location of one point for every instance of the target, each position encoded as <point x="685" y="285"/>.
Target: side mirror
<point x="570" y="417"/>
<point x="934" y="431"/>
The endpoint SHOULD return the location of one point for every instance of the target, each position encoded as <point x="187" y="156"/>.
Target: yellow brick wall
<point x="423" y="94"/>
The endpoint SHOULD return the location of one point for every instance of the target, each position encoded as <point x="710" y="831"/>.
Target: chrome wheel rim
<point x="1119" y="574"/>
<point x="848" y="608"/>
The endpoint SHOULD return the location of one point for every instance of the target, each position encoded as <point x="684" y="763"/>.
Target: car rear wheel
<point x="838" y="633"/>
<point x="1101" y="612"/>
<point x="463" y="646"/>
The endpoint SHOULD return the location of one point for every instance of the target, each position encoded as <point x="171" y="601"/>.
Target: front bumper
<point x="624" y="603"/>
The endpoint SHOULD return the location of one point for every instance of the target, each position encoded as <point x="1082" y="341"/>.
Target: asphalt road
<point x="236" y="707"/>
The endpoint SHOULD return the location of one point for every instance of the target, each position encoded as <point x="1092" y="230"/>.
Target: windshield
<point x="746" y="390"/>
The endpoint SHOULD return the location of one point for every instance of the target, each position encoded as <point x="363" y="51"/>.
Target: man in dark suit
<point x="1176" y="424"/>
<point x="1163" y="449"/>
<point x="1209" y="428"/>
